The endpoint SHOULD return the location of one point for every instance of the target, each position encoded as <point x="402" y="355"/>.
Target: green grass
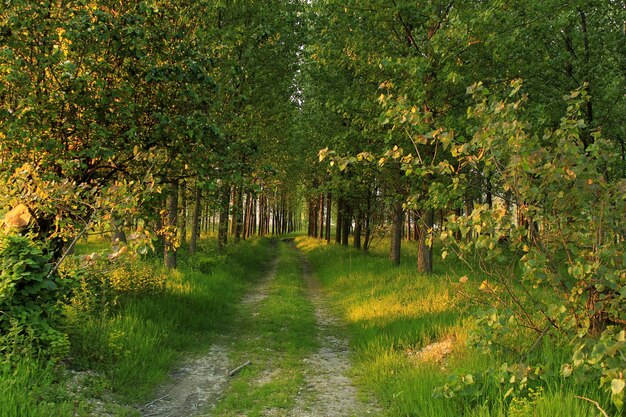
<point x="394" y="311"/>
<point x="133" y="345"/>
<point x="275" y="335"/>
<point x="29" y="388"/>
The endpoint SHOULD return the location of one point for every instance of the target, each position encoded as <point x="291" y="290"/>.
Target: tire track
<point x="328" y="392"/>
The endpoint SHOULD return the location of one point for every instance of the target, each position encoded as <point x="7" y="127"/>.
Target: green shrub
<point x="29" y="294"/>
<point x="561" y="277"/>
<point x="137" y="277"/>
<point x="99" y="280"/>
<point x="206" y="264"/>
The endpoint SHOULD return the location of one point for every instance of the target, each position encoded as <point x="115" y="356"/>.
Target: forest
<point x="312" y="208"/>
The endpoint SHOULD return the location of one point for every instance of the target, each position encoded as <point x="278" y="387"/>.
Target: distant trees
<point x="108" y="110"/>
<point x="522" y="180"/>
<point x="390" y="90"/>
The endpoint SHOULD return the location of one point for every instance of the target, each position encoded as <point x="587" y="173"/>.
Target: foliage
<point x="99" y="281"/>
<point x="561" y="213"/>
<point x="29" y="291"/>
<point x="394" y="312"/>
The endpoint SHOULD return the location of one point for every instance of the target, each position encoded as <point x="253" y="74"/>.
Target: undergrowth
<point x="128" y="326"/>
<point x="394" y="313"/>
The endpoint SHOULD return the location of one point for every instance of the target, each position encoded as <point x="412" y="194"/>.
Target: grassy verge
<point x="132" y="345"/>
<point x="394" y="312"/>
<point x="275" y="334"/>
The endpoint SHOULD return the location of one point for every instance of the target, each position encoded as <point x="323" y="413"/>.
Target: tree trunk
<point x="261" y="215"/>
<point x="158" y="226"/>
<point x="358" y="227"/>
<point x="238" y="214"/>
<point x="457" y="234"/>
<point x="339" y="226"/>
<point x="222" y="231"/>
<point x="311" y="221"/>
<point x="195" y="220"/>
<point x="182" y="219"/>
<point x="346" y="223"/>
<point x="425" y="251"/>
<point x="396" y="236"/>
<point x="320" y="215"/>
<point x="118" y="235"/>
<point x="172" y="217"/>
<point x="254" y="216"/>
<point x="247" y="216"/>
<point x="328" y="215"/>
<point x="367" y="220"/>
<point x="408" y="225"/>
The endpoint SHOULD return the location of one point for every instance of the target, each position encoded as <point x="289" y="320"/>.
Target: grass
<point x="30" y="388"/>
<point x="393" y="312"/>
<point x="135" y="343"/>
<point x="275" y="334"/>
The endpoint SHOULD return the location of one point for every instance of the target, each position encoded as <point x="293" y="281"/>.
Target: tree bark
<point x="358" y="227"/>
<point x="367" y="220"/>
<point x="238" y="213"/>
<point x="182" y="219"/>
<point x="321" y="216"/>
<point x="346" y="223"/>
<point x="425" y="251"/>
<point x="195" y="220"/>
<point x="118" y="235"/>
<point x="339" y="228"/>
<point x="396" y="236"/>
<point x="222" y="230"/>
<point x="172" y="217"/>
<point x="254" y="216"/>
<point x="328" y="216"/>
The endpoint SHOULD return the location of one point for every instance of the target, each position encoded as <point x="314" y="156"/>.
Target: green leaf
<point x="617" y="386"/>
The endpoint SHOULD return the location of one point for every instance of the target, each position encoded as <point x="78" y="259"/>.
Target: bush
<point x="562" y="274"/>
<point x="99" y="281"/>
<point x="137" y="277"/>
<point x="206" y="264"/>
<point x="29" y="295"/>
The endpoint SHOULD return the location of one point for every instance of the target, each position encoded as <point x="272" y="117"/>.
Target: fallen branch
<point x="165" y="397"/>
<point x="238" y="369"/>
<point x="594" y="403"/>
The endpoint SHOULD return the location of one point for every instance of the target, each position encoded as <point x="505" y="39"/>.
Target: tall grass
<point x="30" y="388"/>
<point x="133" y="344"/>
<point x="394" y="312"/>
<point x="136" y="346"/>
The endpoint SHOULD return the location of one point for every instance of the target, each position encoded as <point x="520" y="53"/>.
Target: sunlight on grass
<point x="410" y="331"/>
<point x="136" y="342"/>
<point x="386" y="308"/>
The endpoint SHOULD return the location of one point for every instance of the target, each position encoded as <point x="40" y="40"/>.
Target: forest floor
<point x="287" y="355"/>
<point x="292" y="328"/>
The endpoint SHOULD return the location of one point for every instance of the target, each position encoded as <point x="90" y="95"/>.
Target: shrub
<point x="568" y="281"/>
<point x="206" y="264"/>
<point x="137" y="277"/>
<point x="99" y="281"/>
<point x="29" y="295"/>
